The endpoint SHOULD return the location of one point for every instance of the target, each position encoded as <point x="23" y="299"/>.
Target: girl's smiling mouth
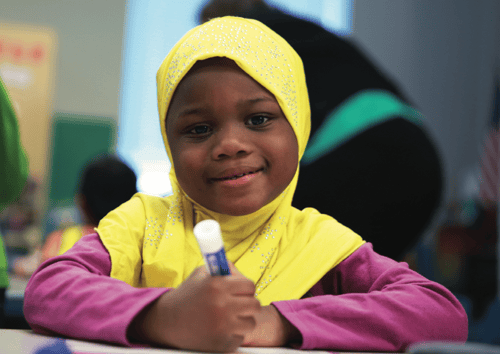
<point x="235" y="178"/>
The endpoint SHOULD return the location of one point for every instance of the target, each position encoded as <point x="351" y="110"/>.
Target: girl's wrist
<point x="138" y="330"/>
<point x="272" y="330"/>
<point x="290" y="333"/>
<point x="150" y="325"/>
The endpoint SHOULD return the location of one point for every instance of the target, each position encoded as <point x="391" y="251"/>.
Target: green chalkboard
<point x="75" y="141"/>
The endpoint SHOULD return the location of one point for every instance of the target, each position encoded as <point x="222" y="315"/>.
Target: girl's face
<point x="233" y="150"/>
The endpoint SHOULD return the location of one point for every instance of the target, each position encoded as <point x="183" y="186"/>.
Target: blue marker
<point x="209" y="238"/>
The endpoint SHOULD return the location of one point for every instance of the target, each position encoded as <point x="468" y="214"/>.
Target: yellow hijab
<point x="284" y="251"/>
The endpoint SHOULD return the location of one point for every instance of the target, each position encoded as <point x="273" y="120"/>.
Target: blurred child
<point x="106" y="183"/>
<point x="235" y="119"/>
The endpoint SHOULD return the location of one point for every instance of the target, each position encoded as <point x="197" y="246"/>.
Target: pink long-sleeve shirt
<point x="367" y="303"/>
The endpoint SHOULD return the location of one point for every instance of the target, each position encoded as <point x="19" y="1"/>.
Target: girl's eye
<point x="200" y="129"/>
<point x="258" y="120"/>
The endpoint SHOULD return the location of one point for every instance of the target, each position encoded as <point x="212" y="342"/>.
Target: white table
<point x="13" y="341"/>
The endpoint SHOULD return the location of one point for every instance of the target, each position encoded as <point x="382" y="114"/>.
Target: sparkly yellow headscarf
<point x="284" y="251"/>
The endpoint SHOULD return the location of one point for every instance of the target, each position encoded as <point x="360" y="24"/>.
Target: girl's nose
<point x="231" y="142"/>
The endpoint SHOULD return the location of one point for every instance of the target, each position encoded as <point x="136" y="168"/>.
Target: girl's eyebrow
<point x="255" y="100"/>
<point x="245" y="102"/>
<point x="192" y="111"/>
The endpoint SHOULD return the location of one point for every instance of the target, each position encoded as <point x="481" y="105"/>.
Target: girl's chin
<point x="236" y="209"/>
<point x="241" y="206"/>
<point x="238" y="212"/>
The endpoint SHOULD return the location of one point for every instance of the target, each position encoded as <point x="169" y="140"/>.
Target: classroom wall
<point x="443" y="54"/>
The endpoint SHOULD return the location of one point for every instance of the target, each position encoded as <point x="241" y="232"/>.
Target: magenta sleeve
<point x="72" y="295"/>
<point x="372" y="303"/>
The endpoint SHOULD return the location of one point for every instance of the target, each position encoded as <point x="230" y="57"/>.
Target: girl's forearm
<point x="73" y="295"/>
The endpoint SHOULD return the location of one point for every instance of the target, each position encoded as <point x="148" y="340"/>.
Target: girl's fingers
<point x="245" y="307"/>
<point x="232" y="344"/>
<point x="241" y="287"/>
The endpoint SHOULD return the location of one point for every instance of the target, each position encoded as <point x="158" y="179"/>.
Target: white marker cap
<point x="209" y="236"/>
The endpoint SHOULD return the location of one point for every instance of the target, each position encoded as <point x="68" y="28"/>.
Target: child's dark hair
<point x="106" y="183"/>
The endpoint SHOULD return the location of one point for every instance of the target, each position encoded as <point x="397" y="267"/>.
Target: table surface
<point x="14" y="341"/>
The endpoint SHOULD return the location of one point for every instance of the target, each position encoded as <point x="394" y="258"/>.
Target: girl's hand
<point x="208" y="313"/>
<point x="272" y="330"/>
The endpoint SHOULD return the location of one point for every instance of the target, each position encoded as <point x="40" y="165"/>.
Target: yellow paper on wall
<point x="27" y="63"/>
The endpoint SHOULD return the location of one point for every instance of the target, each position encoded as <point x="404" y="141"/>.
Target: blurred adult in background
<point x="370" y="162"/>
<point x="106" y="182"/>
<point x="13" y="176"/>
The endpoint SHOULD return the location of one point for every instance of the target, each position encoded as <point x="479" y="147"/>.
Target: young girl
<point x="234" y="115"/>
